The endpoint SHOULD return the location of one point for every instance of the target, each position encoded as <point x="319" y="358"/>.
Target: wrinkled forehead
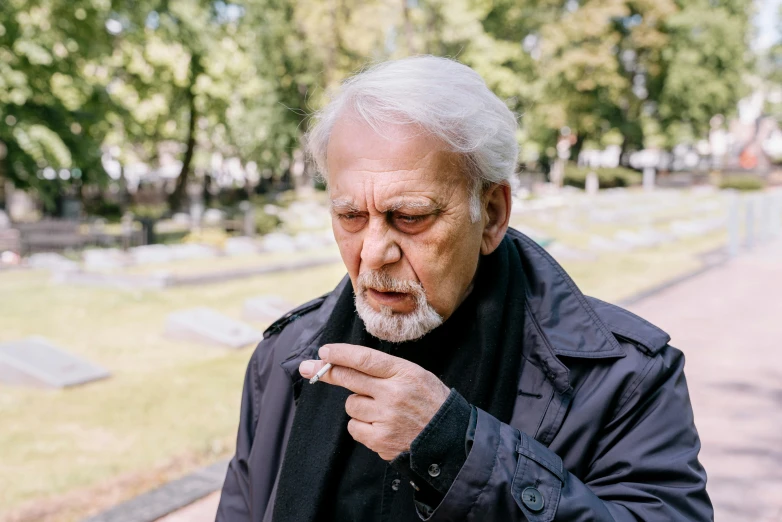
<point x="393" y="165"/>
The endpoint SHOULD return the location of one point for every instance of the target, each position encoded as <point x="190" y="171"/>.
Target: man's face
<point x="401" y="217"/>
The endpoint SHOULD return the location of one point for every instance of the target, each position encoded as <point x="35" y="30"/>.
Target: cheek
<point x="349" y="249"/>
<point x="445" y="264"/>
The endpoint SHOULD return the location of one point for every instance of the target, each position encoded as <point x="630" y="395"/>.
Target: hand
<point x="393" y="399"/>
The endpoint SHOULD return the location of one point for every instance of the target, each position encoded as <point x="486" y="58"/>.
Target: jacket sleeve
<point x="645" y="466"/>
<point x="235" y="497"/>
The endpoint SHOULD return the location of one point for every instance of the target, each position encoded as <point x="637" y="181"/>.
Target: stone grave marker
<point x="592" y="184"/>
<point x="191" y="251"/>
<point x="266" y="308"/>
<point x="51" y="261"/>
<point x="605" y="244"/>
<point x="207" y="326"/>
<point x="278" y="242"/>
<point x="151" y="254"/>
<point x="105" y="259"/>
<point x="237" y="246"/>
<point x="36" y="362"/>
<point x="633" y="239"/>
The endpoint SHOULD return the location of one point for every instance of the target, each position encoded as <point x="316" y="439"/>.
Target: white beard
<point x="387" y="325"/>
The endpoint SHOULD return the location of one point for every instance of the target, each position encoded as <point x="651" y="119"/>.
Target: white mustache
<point x="384" y="323"/>
<point x="382" y="282"/>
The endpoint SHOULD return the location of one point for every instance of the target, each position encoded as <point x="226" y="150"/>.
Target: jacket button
<point x="533" y="500"/>
<point x="395" y="484"/>
<point x="434" y="470"/>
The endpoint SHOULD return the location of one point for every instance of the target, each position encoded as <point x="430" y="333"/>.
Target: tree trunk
<point x="575" y="151"/>
<point x="177" y="197"/>
<point x="408" y="28"/>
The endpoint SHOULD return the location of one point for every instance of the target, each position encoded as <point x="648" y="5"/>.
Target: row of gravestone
<point x="35" y="362"/>
<point x="113" y="258"/>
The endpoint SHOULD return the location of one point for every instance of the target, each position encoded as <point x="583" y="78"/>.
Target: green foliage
<point x="266" y="223"/>
<point x="743" y="183"/>
<point x="149" y="211"/>
<point x="53" y="101"/>
<point x="157" y="81"/>
<point x="108" y="210"/>
<point x="608" y="178"/>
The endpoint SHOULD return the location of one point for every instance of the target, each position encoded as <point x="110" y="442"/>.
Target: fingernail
<point x="323" y="352"/>
<point x="306" y="368"/>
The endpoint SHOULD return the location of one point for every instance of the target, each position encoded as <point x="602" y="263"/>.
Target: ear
<point x="496" y="206"/>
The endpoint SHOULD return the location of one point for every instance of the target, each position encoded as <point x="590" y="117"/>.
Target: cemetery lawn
<point x="173" y="406"/>
<point x="166" y="402"/>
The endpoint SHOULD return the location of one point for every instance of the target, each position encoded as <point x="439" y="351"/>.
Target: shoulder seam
<point x="635" y="385"/>
<point x="639" y="339"/>
<point x="278" y="325"/>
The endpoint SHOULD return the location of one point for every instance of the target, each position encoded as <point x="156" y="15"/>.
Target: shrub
<point x="108" y="210"/>
<point x="609" y="178"/>
<point x="743" y="183"/>
<point x="265" y="223"/>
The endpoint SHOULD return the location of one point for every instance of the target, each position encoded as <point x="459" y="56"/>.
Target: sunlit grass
<point x="164" y="398"/>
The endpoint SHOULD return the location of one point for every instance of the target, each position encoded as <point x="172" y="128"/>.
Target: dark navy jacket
<point x="602" y="428"/>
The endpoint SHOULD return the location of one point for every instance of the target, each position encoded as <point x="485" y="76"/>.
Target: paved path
<point x="203" y="510"/>
<point x="728" y="322"/>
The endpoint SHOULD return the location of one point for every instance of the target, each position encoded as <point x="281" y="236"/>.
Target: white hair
<point x="387" y="325"/>
<point x="443" y="98"/>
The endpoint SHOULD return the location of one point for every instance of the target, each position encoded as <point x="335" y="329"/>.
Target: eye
<point x="409" y="219"/>
<point x="352" y="221"/>
<point x="411" y="224"/>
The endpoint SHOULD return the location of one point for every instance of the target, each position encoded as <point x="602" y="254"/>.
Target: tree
<point x="53" y="99"/>
<point x="703" y="68"/>
<point x="178" y="72"/>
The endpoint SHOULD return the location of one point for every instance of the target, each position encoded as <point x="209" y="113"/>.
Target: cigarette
<point x="321" y="373"/>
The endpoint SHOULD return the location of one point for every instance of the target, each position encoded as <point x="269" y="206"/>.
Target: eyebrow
<point x="417" y="205"/>
<point x="347" y="205"/>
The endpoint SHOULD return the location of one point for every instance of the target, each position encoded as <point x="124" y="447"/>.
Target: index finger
<point x="366" y="360"/>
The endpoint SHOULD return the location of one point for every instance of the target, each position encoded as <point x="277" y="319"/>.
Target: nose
<point x="379" y="248"/>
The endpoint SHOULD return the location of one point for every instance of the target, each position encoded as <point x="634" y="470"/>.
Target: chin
<point x="387" y="325"/>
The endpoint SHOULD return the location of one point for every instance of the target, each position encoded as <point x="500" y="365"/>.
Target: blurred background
<point x="157" y="213"/>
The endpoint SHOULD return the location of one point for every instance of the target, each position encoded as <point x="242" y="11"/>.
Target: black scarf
<point x="483" y="366"/>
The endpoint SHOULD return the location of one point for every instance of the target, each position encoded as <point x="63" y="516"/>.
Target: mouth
<point x="387" y="298"/>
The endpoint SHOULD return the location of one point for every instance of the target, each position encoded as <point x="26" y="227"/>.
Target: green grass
<point x="167" y="399"/>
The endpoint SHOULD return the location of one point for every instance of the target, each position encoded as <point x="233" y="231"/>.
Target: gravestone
<point x="249" y="225"/>
<point x="105" y="259"/>
<point x="213" y="217"/>
<point x="278" y="242"/>
<point x="36" y="362"/>
<point x="633" y="239"/>
<point x="191" y="251"/>
<point x="649" y="175"/>
<point x="267" y="308"/>
<point x="51" y="261"/>
<point x="237" y="246"/>
<point x="592" y="184"/>
<point x="207" y="326"/>
<point x="602" y="243"/>
<point x="151" y="254"/>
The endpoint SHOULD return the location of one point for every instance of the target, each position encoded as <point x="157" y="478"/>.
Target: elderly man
<point x="470" y="379"/>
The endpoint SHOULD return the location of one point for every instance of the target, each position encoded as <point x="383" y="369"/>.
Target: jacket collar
<point x="570" y="325"/>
